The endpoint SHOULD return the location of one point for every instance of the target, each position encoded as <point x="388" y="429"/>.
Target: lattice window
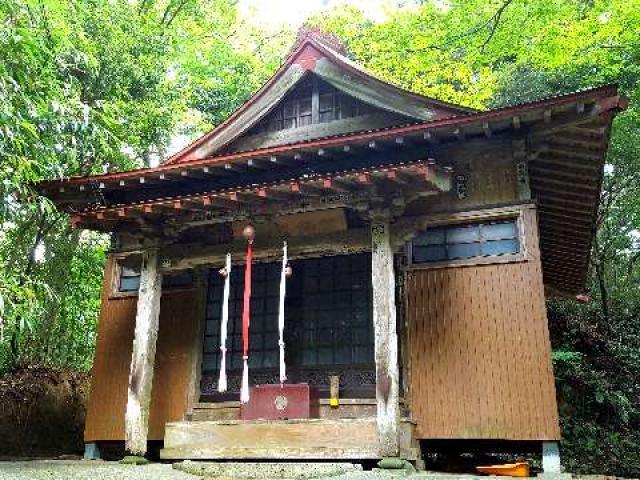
<point x="466" y="241"/>
<point x="297" y="109"/>
<point x="336" y="306"/>
<point x="129" y="280"/>
<point x="328" y="319"/>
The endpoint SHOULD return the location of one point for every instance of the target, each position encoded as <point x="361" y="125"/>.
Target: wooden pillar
<point x="143" y="356"/>
<point x="386" y="339"/>
<point x="193" y="392"/>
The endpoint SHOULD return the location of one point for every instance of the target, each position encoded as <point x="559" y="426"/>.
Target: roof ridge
<point x="327" y="39"/>
<point x="330" y="46"/>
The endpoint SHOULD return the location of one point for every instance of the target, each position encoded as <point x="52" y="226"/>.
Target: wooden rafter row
<point x="423" y="174"/>
<point x="602" y="101"/>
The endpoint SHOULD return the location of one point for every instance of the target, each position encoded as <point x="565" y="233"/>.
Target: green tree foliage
<point x="88" y="86"/>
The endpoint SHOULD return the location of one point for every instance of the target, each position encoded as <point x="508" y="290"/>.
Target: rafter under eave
<point x="306" y="193"/>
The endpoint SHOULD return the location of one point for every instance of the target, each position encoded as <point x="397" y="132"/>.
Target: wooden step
<point x="230" y="410"/>
<point x="213" y="453"/>
<point x="205" y="411"/>
<point x="265" y="439"/>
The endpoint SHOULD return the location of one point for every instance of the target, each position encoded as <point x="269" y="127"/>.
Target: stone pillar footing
<point x="554" y="476"/>
<point x="91" y="451"/>
<point x="550" y="457"/>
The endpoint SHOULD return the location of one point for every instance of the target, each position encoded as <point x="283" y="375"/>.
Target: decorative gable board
<point x="247" y="117"/>
<point x="315" y="56"/>
<point x="314" y="109"/>
<point x="374" y="92"/>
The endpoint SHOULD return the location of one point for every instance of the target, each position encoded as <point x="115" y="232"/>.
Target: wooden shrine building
<point x="422" y="237"/>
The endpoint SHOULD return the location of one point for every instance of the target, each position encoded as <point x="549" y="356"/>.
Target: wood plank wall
<point x="490" y="174"/>
<point x="480" y="359"/>
<point x="108" y="394"/>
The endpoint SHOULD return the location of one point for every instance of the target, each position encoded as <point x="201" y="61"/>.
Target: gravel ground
<point x="100" y="470"/>
<point x="85" y="470"/>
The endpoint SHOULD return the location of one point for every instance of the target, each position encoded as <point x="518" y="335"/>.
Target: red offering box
<point x="280" y="402"/>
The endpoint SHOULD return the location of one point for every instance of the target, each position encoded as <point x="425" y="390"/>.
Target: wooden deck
<point x="263" y="439"/>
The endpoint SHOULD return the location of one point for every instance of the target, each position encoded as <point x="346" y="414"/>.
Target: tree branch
<point x="495" y="22"/>
<point x="492" y="23"/>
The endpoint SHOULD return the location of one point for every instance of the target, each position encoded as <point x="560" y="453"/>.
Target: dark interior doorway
<point x="328" y="326"/>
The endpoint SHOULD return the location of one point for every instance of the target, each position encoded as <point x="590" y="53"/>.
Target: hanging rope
<point x="226" y="271"/>
<point x="244" y="390"/>
<point x="283" y="287"/>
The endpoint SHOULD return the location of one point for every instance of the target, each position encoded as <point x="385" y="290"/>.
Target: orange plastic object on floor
<point x="520" y="469"/>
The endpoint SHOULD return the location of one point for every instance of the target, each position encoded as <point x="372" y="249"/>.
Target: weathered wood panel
<point x="177" y="335"/>
<point x="108" y="395"/>
<point x="318" y="130"/>
<point x="490" y="177"/>
<point x="479" y="350"/>
<point x="292" y="439"/>
<point x="230" y="410"/>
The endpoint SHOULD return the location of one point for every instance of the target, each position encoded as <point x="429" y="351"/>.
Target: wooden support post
<point x="143" y="356"/>
<point x="386" y="339"/>
<point x="201" y="284"/>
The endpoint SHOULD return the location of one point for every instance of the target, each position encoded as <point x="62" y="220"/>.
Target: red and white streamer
<point x="226" y="271"/>
<point x="246" y="315"/>
<point x="283" y="288"/>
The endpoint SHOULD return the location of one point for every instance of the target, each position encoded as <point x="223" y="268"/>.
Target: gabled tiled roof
<point x="567" y="139"/>
<point x="318" y="54"/>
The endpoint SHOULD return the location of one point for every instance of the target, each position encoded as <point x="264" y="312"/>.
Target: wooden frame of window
<point x="316" y="102"/>
<point x="116" y="293"/>
<point x="471" y="217"/>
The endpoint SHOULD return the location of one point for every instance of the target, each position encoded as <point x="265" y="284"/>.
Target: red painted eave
<point x="606" y="96"/>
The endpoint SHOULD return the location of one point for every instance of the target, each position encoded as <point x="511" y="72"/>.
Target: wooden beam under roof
<point x="561" y="163"/>
<point x="559" y="228"/>
<point x="548" y="170"/>
<point x="572" y="217"/>
<point x="573" y="118"/>
<point x="576" y="194"/>
<point x="564" y="184"/>
<point x="356" y="181"/>
<point x="557" y="199"/>
<point x="573" y="152"/>
<point x="578" y="238"/>
<point x="566" y="137"/>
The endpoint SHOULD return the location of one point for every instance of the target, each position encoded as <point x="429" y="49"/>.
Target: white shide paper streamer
<point x="283" y="287"/>
<point x="222" y="380"/>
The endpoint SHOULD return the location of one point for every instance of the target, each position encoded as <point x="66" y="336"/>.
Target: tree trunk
<point x="143" y="356"/>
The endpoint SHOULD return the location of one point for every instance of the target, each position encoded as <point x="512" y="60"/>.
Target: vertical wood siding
<point x="480" y="355"/>
<point x="108" y="395"/>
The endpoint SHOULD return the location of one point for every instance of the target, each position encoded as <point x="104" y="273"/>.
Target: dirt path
<point x="83" y="470"/>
